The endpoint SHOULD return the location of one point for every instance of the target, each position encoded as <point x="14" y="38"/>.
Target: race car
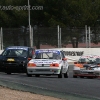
<point x="87" y="66"/>
<point x="14" y="59"/>
<point x="48" y="62"/>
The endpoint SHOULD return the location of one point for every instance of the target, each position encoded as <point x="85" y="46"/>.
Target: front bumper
<point x="86" y="73"/>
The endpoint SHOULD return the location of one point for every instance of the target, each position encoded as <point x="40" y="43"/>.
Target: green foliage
<point x="73" y="13"/>
<point x="66" y="13"/>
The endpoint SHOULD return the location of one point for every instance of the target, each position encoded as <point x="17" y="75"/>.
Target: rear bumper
<point x="45" y="71"/>
<point x="13" y="68"/>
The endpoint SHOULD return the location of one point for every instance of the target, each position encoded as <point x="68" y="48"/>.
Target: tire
<point x="29" y="75"/>
<point x="60" y="75"/>
<point x="66" y="75"/>
<point x="8" y="72"/>
<point x="37" y="75"/>
<point x="81" y="76"/>
<point x="74" y="76"/>
<point x="90" y="77"/>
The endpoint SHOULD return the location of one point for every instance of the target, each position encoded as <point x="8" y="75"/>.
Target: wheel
<point x="74" y="76"/>
<point x="8" y="73"/>
<point x="37" y="75"/>
<point x="66" y="75"/>
<point x="60" y="75"/>
<point x="81" y="76"/>
<point x="90" y="77"/>
<point x="29" y="75"/>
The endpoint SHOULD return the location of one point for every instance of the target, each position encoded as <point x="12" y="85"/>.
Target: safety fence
<point x="47" y="36"/>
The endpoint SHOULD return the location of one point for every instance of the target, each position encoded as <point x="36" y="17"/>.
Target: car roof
<point x="17" y="47"/>
<point x="48" y="50"/>
<point x="89" y="56"/>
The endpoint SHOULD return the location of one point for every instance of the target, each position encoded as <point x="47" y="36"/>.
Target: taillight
<point x="75" y="62"/>
<point x="54" y="65"/>
<point x="29" y="59"/>
<point x="31" y="65"/>
<point x="64" y="59"/>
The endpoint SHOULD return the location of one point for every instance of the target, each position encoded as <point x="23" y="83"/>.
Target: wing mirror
<point x="64" y="59"/>
<point x="75" y="62"/>
<point x="29" y="59"/>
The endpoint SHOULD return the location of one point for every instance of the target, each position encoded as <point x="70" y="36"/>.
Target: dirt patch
<point x="9" y="94"/>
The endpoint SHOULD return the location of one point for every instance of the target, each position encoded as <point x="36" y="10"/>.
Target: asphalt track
<point x="65" y="88"/>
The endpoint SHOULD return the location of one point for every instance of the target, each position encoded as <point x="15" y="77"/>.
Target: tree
<point x="66" y="13"/>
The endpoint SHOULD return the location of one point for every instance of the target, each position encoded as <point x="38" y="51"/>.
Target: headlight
<point x="76" y="68"/>
<point x="91" y="68"/>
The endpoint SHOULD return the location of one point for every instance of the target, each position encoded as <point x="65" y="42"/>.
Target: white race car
<point x="87" y="66"/>
<point x="48" y="62"/>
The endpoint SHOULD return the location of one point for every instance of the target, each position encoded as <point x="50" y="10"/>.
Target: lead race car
<point x="48" y="62"/>
<point x="87" y="66"/>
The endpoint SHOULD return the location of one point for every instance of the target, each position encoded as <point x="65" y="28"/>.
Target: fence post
<point x="58" y="36"/>
<point x="86" y="36"/>
<point x="89" y="36"/>
<point x="31" y="36"/>
<point x="0" y="39"/>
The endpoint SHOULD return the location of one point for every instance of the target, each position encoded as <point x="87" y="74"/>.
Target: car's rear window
<point x="47" y="54"/>
<point x="15" y="52"/>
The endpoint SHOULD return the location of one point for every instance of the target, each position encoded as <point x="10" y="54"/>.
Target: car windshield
<point x="97" y="60"/>
<point x="87" y="59"/>
<point x="47" y="54"/>
<point x="15" y="52"/>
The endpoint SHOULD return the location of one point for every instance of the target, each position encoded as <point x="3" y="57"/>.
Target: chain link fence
<point x="47" y="36"/>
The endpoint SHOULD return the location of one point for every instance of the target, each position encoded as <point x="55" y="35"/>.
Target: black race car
<point x="14" y="59"/>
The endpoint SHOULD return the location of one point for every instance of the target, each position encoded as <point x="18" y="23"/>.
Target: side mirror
<point x="29" y="59"/>
<point x="75" y="62"/>
<point x="30" y="56"/>
<point x="64" y="59"/>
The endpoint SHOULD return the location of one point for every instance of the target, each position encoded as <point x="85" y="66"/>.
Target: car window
<point x="15" y="52"/>
<point x="87" y="59"/>
<point x="31" y="52"/>
<point x="82" y="60"/>
<point x="56" y="56"/>
<point x="47" y="55"/>
<point x="97" y="60"/>
<point x="62" y="54"/>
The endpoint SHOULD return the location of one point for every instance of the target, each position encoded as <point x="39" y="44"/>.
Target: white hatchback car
<point x="48" y="62"/>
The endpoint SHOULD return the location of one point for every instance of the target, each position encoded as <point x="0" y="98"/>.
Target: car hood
<point x="88" y="65"/>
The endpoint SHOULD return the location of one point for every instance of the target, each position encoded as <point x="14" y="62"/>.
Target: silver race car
<point x="48" y="62"/>
<point x="87" y="66"/>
